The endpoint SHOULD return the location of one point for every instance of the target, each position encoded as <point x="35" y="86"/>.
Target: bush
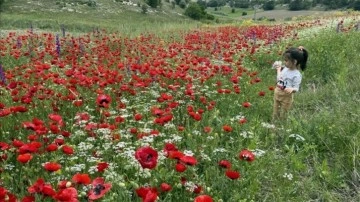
<point x="144" y="9"/>
<point x="182" y="4"/>
<point x="244" y="13"/>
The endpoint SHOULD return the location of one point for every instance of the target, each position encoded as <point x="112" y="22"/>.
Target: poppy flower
<point x="67" y="150"/>
<point x="165" y="187"/>
<point x="103" y="100"/>
<point x="225" y="164"/>
<point x="138" y="117"/>
<point x="261" y="93"/>
<point x="69" y="194"/>
<point x="79" y="178"/>
<point x="227" y="128"/>
<point x="52" y="166"/>
<point x="232" y="174"/>
<point x="41" y="187"/>
<point x="188" y="160"/>
<point x="99" y="188"/>
<point x="246" y="155"/>
<point x="169" y="147"/>
<point x="242" y="120"/>
<point x="102" y="166"/>
<point x="207" y="129"/>
<point x="24" y="158"/>
<point x="203" y="198"/>
<point x="179" y="167"/>
<point x="246" y="104"/>
<point x="51" y="147"/>
<point x="147" y="157"/>
<point x="148" y="194"/>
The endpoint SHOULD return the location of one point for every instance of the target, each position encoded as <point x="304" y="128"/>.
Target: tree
<point x="296" y="5"/>
<point x="197" y="12"/>
<point x="357" y="5"/>
<point x="1" y="4"/>
<point x="241" y="3"/>
<point x="194" y="11"/>
<point x="153" y="3"/>
<point x="269" y="5"/>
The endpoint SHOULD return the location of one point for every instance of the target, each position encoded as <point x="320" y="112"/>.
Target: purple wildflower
<point x="58" y="45"/>
<point x="18" y="43"/>
<point x="2" y="75"/>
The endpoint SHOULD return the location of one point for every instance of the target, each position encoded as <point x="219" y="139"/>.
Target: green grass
<point x="109" y="15"/>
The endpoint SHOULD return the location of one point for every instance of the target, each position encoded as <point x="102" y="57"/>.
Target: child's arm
<point x="295" y="85"/>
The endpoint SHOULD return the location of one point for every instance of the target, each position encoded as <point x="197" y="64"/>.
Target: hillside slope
<point x="79" y="16"/>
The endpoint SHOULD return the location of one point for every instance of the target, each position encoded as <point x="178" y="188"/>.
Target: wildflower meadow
<point x="179" y="116"/>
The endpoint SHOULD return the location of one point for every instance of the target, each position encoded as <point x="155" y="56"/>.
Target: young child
<point x="288" y="80"/>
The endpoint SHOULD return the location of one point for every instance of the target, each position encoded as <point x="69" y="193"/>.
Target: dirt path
<point x="285" y="14"/>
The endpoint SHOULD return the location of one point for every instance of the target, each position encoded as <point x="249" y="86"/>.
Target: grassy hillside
<point x="111" y="15"/>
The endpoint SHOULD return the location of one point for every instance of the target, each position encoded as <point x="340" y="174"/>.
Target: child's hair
<point x="299" y="54"/>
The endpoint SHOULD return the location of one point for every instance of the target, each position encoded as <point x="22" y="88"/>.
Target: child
<point x="288" y="80"/>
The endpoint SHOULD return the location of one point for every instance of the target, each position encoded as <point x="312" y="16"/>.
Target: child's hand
<point x="277" y="64"/>
<point x="289" y="90"/>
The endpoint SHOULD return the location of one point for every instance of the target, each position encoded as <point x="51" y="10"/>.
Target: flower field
<point x="184" y="116"/>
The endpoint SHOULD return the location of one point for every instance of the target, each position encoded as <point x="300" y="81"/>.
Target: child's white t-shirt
<point x="289" y="78"/>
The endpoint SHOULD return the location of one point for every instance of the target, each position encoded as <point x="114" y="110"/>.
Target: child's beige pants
<point x="282" y="103"/>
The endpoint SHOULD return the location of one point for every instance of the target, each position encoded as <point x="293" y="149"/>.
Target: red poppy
<point x="147" y="157"/>
<point x="79" y="178"/>
<point x="227" y="128"/>
<point x="52" y="166"/>
<point x="203" y="198"/>
<point x="179" y="167"/>
<point x="148" y="194"/>
<point x="169" y="147"/>
<point x="138" y="117"/>
<point x="225" y="164"/>
<point x="207" y="129"/>
<point x="188" y="160"/>
<point x="242" y="120"/>
<point x="197" y="189"/>
<point x="232" y="174"/>
<point x="28" y="199"/>
<point x="41" y="187"/>
<point x="165" y="187"/>
<point x="51" y="147"/>
<point x="175" y="154"/>
<point x="246" y="104"/>
<point x="247" y="155"/>
<point x="99" y="188"/>
<point x="261" y="93"/>
<point x="102" y="166"/>
<point x="24" y="158"/>
<point x="69" y="194"/>
<point x="67" y="150"/>
<point x="271" y="88"/>
<point x="5" y="195"/>
<point x="103" y="100"/>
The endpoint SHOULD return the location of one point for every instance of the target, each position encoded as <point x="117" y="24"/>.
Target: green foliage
<point x="241" y="3"/>
<point x="154" y="3"/>
<point x="269" y="5"/>
<point x="144" y="9"/>
<point x="197" y="12"/>
<point x="182" y="4"/>
<point x="357" y="5"/>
